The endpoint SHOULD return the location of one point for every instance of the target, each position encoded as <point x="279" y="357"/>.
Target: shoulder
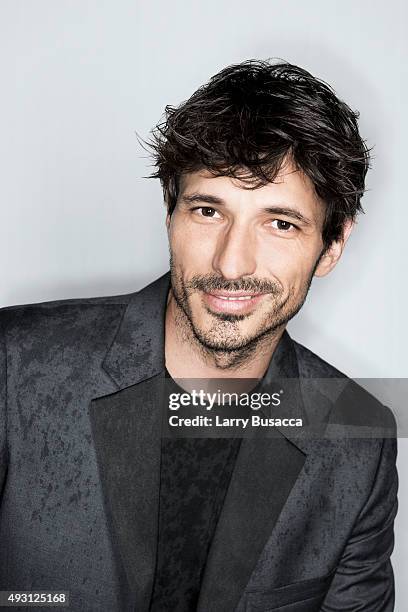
<point x="352" y="403"/>
<point x="60" y="320"/>
<point x="313" y="366"/>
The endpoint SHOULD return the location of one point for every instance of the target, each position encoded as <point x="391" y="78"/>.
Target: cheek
<point x="192" y="247"/>
<point x="288" y="261"/>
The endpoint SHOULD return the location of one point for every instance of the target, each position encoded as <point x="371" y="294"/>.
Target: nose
<point x="235" y="253"/>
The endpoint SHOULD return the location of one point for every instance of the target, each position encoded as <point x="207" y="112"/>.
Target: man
<point x="263" y="170"/>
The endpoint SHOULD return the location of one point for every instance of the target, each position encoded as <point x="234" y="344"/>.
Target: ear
<point x="332" y="255"/>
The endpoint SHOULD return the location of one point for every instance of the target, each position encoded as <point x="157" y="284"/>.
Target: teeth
<point x="244" y="297"/>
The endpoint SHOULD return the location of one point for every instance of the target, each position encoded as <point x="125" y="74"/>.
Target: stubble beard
<point x="223" y="343"/>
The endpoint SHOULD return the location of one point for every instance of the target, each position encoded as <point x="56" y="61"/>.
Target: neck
<point x="186" y="357"/>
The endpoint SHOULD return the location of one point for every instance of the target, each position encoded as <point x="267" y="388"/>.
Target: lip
<point x="232" y="302"/>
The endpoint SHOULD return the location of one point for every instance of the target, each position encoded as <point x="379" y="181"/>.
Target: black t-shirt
<point x="194" y="477"/>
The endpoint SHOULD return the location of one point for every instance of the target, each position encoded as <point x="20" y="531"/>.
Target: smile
<point x="238" y="302"/>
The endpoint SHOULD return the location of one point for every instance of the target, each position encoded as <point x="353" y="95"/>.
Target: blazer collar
<point x="137" y="352"/>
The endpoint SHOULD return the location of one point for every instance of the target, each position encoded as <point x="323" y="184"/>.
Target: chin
<point x="223" y="336"/>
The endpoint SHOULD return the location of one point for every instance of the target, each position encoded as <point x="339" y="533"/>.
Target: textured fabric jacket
<point x="307" y="524"/>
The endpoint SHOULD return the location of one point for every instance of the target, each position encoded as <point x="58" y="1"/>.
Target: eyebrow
<point x="288" y="212"/>
<point x="206" y="198"/>
<point x="202" y="197"/>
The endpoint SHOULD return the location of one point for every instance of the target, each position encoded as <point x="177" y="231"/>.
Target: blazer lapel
<point x="137" y="353"/>
<point x="126" y="427"/>
<point x="264" y="475"/>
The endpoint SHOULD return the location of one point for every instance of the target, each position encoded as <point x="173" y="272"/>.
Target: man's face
<point x="242" y="260"/>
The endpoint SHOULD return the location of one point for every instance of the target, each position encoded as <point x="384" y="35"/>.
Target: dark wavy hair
<point x="251" y="117"/>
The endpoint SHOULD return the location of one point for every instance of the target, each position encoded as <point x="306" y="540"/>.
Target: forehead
<point x="291" y="188"/>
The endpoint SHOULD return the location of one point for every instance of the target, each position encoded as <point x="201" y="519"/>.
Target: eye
<point x="283" y="226"/>
<point x="206" y="211"/>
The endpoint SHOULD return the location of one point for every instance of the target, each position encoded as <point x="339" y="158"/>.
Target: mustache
<point x="211" y="282"/>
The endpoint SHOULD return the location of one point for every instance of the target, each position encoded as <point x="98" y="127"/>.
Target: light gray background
<point x="79" y="77"/>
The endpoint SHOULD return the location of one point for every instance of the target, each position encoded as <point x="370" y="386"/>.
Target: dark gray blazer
<point x="307" y="525"/>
